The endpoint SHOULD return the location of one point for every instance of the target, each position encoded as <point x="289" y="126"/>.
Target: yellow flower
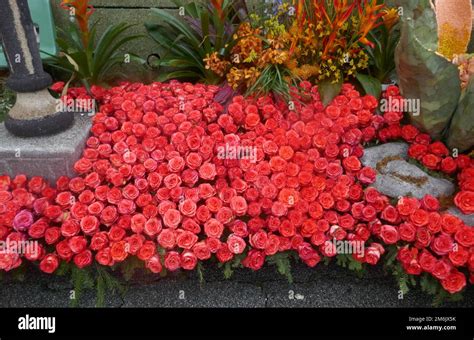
<point x="390" y="17"/>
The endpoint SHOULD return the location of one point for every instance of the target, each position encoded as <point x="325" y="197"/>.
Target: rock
<point x="396" y="177"/>
<point x="375" y="154"/>
<point x="468" y="219"/>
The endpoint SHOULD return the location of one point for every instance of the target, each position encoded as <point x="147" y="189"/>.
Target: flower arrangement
<point x="153" y="187"/>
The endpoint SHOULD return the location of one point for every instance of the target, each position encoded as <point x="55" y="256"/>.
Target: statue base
<point x="46" y="156"/>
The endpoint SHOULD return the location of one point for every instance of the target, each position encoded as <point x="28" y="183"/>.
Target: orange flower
<point x="82" y="13"/>
<point x="218" y="4"/>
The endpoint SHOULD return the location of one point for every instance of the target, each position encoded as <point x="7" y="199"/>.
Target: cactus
<point x="424" y="67"/>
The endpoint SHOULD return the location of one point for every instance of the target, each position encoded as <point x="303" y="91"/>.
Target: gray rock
<point x="396" y="177"/>
<point x="375" y="154"/>
<point x="400" y="178"/>
<point x="47" y="156"/>
<point x="468" y="219"/>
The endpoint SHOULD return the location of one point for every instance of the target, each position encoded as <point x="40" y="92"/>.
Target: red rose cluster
<point x="172" y="178"/>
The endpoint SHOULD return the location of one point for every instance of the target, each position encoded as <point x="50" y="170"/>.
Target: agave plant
<point x="432" y="34"/>
<point x="84" y="54"/>
<point x="184" y="42"/>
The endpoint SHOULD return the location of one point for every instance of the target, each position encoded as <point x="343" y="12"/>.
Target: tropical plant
<point x="201" y="31"/>
<point x="381" y="53"/>
<point x="84" y="54"/>
<point x="427" y="70"/>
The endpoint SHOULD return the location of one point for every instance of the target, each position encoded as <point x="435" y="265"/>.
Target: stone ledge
<point x="48" y="156"/>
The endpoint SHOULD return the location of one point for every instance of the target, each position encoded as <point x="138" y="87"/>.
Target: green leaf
<point x="328" y="91"/>
<point x="228" y="271"/>
<point x="371" y="85"/>
<point x="282" y="263"/>
<point x="129" y="266"/>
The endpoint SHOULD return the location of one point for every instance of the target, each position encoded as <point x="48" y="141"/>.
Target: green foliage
<point x="370" y="84"/>
<point x="106" y="282"/>
<point x="274" y="79"/>
<point x="282" y="263"/>
<point x="7" y="99"/>
<point x="432" y="286"/>
<point x="185" y="42"/>
<point x="347" y="261"/>
<point x="129" y="266"/>
<point x="404" y="280"/>
<point x="382" y="55"/>
<point x="92" y="63"/>
<point x="229" y="266"/>
<point x="200" y="272"/>
<point x="329" y="90"/>
<point x="81" y="278"/>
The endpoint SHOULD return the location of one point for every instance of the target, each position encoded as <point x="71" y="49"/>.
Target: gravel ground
<point x="321" y="287"/>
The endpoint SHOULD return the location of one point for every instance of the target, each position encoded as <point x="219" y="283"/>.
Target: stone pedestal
<point x="46" y="156"/>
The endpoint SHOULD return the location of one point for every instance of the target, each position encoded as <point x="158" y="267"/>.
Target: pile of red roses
<point x="152" y="183"/>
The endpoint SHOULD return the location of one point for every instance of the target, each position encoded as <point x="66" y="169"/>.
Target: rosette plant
<point x="84" y="54"/>
<point x="201" y="30"/>
<point x="427" y="71"/>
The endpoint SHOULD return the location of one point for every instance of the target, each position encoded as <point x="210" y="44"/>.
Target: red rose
<point x="207" y="171"/>
<point x="450" y="223"/>
<point x="459" y="257"/>
<point x="442" y="244"/>
<point x="77" y="244"/>
<point x="154" y="264"/>
<point x="430" y="203"/>
<point x="172" y="261"/>
<point x="52" y="235"/>
<point x="417" y="151"/>
<point x="372" y="255"/>
<point x="99" y="241"/>
<point x="419" y="218"/>
<point x="236" y="244"/>
<point x="186" y="239"/>
<point x="454" y="282"/>
<point x="465" y="236"/>
<point x="441" y="269"/>
<point x="238" y="204"/>
<point x="448" y="165"/>
<point x="83" y="259"/>
<point x="213" y="228"/>
<point x="201" y="250"/>
<point x="63" y="250"/>
<point x="427" y="261"/>
<point x="464" y="200"/>
<point x="188" y="260"/>
<point x="172" y="218"/>
<point x="49" y="263"/>
<point x="439" y="149"/>
<point x="367" y="175"/>
<point x="89" y="224"/>
<point x="167" y="238"/>
<point x="431" y="161"/>
<point x="224" y="254"/>
<point x="188" y="207"/>
<point x="407" y="232"/>
<point x="118" y="251"/>
<point x="146" y="251"/>
<point x="254" y="259"/>
<point x="389" y="234"/>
